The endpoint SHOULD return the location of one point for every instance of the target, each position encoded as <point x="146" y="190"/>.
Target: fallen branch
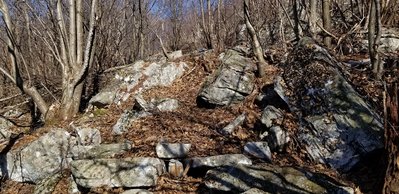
<point x="352" y="30"/>
<point x="11" y="97"/>
<point x="8" y="108"/>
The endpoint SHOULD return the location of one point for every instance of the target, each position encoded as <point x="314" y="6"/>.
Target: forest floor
<point x="191" y="124"/>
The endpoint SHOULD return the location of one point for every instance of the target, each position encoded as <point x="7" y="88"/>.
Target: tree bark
<point x="255" y="42"/>
<point x="327" y="22"/>
<point x="210" y="25"/>
<point x="374" y="36"/>
<point x="297" y="25"/>
<point x="313" y="17"/>
<point x="218" y="26"/>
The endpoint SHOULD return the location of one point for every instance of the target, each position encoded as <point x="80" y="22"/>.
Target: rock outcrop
<point x="136" y="78"/>
<point x="341" y="127"/>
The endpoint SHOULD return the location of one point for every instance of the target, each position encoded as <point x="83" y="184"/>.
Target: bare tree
<point x="255" y="42"/>
<point x="67" y="48"/>
<point x="26" y="86"/>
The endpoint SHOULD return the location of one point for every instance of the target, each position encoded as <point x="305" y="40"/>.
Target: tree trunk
<point x="210" y="25"/>
<point x="205" y="26"/>
<point x="255" y="42"/>
<point x="326" y="22"/>
<point x="313" y="17"/>
<point x="297" y="25"/>
<point x="374" y="26"/>
<point x="218" y="26"/>
<point x="164" y="51"/>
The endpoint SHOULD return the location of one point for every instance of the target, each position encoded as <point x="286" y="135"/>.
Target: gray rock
<point x="274" y="95"/>
<point x="388" y="44"/>
<point x="14" y="112"/>
<point x="341" y="127"/>
<point x="232" y="82"/>
<point x="229" y="129"/>
<point x="244" y="50"/>
<point x="271" y="179"/>
<point x="270" y="114"/>
<point x="167" y="104"/>
<point x="176" y="54"/>
<point x="103" y="99"/>
<point x="255" y="191"/>
<point x="137" y="191"/>
<point x="4" y="130"/>
<point x="100" y="151"/>
<point x="121" y="126"/>
<point x="277" y="138"/>
<point x="142" y="105"/>
<point x="219" y="160"/>
<point x="37" y="160"/>
<point x="73" y="187"/>
<point x="172" y="150"/>
<point x="127" y="172"/>
<point x="175" y="168"/>
<point x="127" y="78"/>
<point x="48" y="184"/>
<point x="331" y="147"/>
<point x="88" y="136"/>
<point x="259" y="150"/>
<point x="163" y="74"/>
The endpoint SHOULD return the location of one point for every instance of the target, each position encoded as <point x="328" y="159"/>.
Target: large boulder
<point x="38" y="159"/>
<point x="340" y="127"/>
<point x="126" y="172"/>
<point x="270" y="178"/>
<point x="232" y="82"/>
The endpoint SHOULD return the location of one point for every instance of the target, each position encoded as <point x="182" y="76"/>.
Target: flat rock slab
<point x="172" y="150"/>
<point x="270" y="178"/>
<point x="230" y="83"/>
<point x="127" y="172"/>
<point x="219" y="160"/>
<point x="99" y="151"/>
